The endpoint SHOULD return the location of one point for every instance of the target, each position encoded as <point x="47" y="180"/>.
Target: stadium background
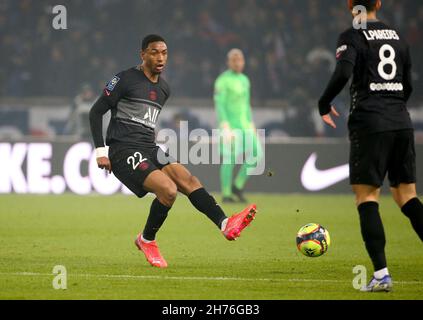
<point x="50" y="78"/>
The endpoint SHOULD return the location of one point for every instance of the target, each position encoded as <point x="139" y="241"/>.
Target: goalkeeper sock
<point x="158" y="215"/>
<point x="242" y="176"/>
<point x="226" y="172"/>
<point x="373" y="233"/>
<point x="206" y="204"/>
<point x="253" y="155"/>
<point x="413" y="209"/>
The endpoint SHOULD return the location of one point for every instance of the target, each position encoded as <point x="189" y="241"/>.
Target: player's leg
<point x="405" y="196"/>
<point x="368" y="167"/>
<point x="190" y="186"/>
<point x="142" y="178"/>
<point x="372" y="231"/>
<point x="253" y="152"/>
<point x="402" y="176"/>
<point x="205" y="203"/>
<point x="403" y="193"/>
<point x="165" y="190"/>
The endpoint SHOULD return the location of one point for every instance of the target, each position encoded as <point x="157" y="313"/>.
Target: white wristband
<point x="102" y="152"/>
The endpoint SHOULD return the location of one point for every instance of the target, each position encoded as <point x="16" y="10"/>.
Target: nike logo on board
<point x="314" y="179"/>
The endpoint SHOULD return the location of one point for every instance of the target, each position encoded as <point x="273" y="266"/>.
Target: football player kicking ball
<point x="136" y="97"/>
<point x="380" y="129"/>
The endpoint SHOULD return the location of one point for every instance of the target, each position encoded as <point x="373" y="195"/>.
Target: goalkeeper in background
<point x="232" y="103"/>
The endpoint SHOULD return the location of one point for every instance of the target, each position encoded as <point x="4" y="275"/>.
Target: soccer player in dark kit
<point x="380" y="129"/>
<point x="136" y="97"/>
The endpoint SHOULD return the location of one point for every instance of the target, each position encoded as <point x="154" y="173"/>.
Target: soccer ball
<point x="313" y="240"/>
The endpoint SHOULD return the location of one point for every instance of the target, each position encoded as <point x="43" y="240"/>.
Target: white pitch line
<point x="150" y="277"/>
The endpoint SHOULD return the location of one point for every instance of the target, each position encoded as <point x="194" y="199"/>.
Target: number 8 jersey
<point x="381" y="83"/>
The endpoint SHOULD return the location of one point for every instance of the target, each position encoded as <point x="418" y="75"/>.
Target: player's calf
<point x="206" y="204"/>
<point x="166" y="192"/>
<point x="413" y="209"/>
<point x="373" y="233"/>
<point x="405" y="195"/>
<point x="189" y="185"/>
<point x="156" y="218"/>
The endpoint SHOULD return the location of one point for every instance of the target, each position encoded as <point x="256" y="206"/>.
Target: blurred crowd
<point x="289" y="44"/>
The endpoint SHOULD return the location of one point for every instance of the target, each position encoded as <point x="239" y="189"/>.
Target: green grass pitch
<point x="93" y="238"/>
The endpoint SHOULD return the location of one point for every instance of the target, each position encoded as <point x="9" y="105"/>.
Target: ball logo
<point x="313" y="240"/>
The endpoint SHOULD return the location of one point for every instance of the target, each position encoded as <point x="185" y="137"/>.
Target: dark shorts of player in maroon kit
<point x="132" y="165"/>
<point x="374" y="155"/>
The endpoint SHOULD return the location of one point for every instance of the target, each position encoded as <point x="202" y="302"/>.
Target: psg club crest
<point x="153" y="95"/>
<point x="143" y="166"/>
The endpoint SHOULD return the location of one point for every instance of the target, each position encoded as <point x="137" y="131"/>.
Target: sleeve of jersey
<point x="220" y="100"/>
<point x="340" y="77"/>
<point x="346" y="55"/>
<point x="345" y="50"/>
<point x="111" y="95"/>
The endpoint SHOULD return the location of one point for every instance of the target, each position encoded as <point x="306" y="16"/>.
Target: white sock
<point x="223" y="225"/>
<point x="381" y="273"/>
<point x="146" y="241"/>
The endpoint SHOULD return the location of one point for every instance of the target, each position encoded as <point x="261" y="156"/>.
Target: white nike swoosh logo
<point x="314" y="179"/>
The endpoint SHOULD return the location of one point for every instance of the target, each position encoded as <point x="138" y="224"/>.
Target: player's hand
<point x="104" y="163"/>
<point x="327" y="118"/>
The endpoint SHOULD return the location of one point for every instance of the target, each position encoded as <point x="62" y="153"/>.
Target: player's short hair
<point x="370" y="5"/>
<point x="150" y="39"/>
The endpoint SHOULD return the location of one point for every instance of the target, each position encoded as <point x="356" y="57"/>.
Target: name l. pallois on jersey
<point x="150" y="117"/>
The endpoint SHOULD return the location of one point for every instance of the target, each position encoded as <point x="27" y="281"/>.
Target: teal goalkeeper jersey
<point x="232" y="99"/>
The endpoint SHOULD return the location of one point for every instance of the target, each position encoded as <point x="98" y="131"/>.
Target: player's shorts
<point x="374" y="155"/>
<point x="133" y="165"/>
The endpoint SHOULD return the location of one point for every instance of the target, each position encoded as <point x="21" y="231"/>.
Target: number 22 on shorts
<point x="136" y="160"/>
